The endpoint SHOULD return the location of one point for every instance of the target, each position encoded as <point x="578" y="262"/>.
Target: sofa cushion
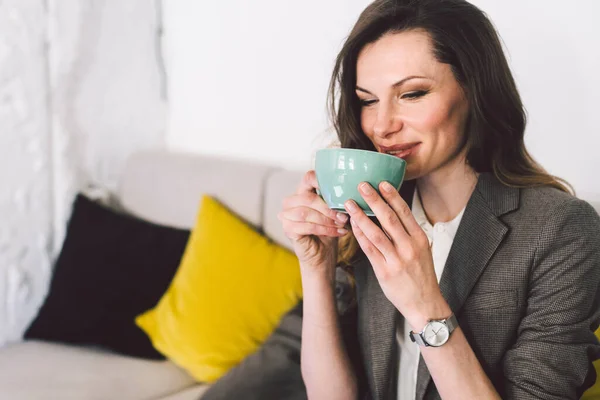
<point x="231" y="289"/>
<point x="165" y="187"/>
<point x="192" y="393"/>
<point x="35" y="370"/>
<point x="280" y="184"/>
<point x="273" y="372"/>
<point x="111" y="268"/>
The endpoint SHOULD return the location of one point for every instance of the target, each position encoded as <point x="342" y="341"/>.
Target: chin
<point x="410" y="177"/>
<point x="412" y="172"/>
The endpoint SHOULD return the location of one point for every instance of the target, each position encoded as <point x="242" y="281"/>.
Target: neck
<point x="446" y="191"/>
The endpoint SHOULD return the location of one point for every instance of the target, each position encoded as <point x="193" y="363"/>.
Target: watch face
<point x="436" y="333"/>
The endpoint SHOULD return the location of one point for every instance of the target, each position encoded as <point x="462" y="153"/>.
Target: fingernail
<point x="366" y="188"/>
<point x="350" y="206"/>
<point x="343" y="218"/>
<point x="352" y="222"/>
<point x="342" y="231"/>
<point x="387" y="187"/>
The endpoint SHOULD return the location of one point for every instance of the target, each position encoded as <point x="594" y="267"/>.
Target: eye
<point x="366" y="103"/>
<point x="415" y="94"/>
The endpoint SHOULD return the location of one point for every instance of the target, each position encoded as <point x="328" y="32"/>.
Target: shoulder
<point x="558" y="222"/>
<point x="549" y="205"/>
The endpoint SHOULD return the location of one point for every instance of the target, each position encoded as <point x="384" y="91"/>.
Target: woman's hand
<point x="400" y="254"/>
<point x="312" y="226"/>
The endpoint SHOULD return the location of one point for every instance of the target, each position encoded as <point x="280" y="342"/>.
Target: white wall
<point x="25" y="180"/>
<point x="250" y="81"/>
<point x="554" y="51"/>
<point x="107" y="95"/>
<point x="80" y="90"/>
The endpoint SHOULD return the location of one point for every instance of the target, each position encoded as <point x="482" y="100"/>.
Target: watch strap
<point x="451" y="323"/>
<point x="418" y="338"/>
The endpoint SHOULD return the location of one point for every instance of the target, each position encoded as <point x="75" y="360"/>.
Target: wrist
<point x="319" y="275"/>
<point x="437" y="309"/>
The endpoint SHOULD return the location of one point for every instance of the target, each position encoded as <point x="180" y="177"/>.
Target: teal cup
<point x="340" y="171"/>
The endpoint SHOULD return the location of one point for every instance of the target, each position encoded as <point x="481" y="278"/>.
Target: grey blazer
<point x="523" y="278"/>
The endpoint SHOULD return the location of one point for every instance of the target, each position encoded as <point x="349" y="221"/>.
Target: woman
<point x="494" y="274"/>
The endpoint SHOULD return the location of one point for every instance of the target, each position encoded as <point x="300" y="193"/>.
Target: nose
<point x="387" y="122"/>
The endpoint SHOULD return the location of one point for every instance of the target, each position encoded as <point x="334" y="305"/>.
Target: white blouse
<point x="440" y="236"/>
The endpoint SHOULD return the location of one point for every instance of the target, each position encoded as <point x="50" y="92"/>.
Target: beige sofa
<point x="165" y="188"/>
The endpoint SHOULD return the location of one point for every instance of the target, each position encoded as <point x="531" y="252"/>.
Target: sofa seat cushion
<point x="33" y="370"/>
<point x="192" y="393"/>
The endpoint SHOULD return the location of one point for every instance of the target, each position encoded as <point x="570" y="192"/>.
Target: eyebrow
<point x="395" y="85"/>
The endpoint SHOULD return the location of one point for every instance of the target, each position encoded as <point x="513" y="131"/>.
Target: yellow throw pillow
<point x="231" y="289"/>
<point x="593" y="393"/>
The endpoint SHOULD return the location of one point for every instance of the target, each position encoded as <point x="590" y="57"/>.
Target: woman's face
<point x="412" y="106"/>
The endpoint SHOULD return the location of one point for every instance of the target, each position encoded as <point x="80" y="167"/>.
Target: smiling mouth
<point x="403" y="152"/>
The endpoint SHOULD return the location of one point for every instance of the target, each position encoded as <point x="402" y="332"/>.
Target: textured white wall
<point x="25" y="178"/>
<point x="248" y="79"/>
<point x="107" y="88"/>
<point x="81" y="88"/>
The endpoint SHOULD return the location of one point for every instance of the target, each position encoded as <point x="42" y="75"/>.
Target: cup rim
<point x="346" y="149"/>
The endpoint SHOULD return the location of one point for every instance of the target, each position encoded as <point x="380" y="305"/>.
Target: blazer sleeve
<point x="555" y="347"/>
<point x="345" y="291"/>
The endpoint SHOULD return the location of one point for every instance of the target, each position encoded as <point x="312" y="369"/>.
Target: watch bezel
<point x="436" y="330"/>
<point x="446" y="327"/>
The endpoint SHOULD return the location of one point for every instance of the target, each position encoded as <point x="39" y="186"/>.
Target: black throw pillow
<point x="111" y="268"/>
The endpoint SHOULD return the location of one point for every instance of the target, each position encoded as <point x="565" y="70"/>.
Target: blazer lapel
<point x="479" y="235"/>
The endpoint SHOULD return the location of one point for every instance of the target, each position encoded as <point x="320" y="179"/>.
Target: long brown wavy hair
<point x="464" y="38"/>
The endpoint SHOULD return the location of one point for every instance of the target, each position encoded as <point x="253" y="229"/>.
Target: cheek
<point x="444" y="121"/>
<point x="432" y="118"/>
<point x="367" y="119"/>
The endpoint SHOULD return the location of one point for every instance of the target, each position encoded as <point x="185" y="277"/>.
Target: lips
<point x="402" y="150"/>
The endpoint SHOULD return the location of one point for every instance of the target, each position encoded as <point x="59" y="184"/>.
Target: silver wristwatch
<point x="436" y="333"/>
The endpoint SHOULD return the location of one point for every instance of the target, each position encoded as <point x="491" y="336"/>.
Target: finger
<point x="375" y="235"/>
<point x="390" y="222"/>
<point x="315" y="202"/>
<point x="295" y="230"/>
<point x="401" y="209"/>
<point x="307" y="214"/>
<point x="309" y="183"/>
<point x="371" y="251"/>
